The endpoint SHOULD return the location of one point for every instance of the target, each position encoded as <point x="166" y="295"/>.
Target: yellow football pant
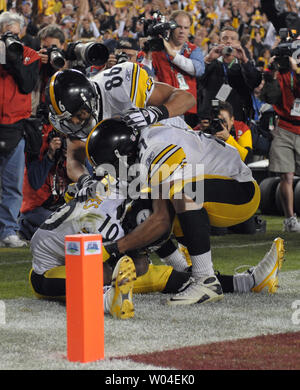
<point x="46" y="285"/>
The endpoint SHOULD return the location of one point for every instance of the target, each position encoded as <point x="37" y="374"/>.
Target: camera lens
<point x="56" y="60"/>
<point x="92" y="53"/>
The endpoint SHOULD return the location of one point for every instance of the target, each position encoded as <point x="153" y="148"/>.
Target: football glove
<point x="73" y="189"/>
<point x="70" y="192"/>
<point x="91" y="189"/>
<point x="139" y="118"/>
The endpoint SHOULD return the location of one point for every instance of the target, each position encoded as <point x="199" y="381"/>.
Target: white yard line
<point x="213" y="247"/>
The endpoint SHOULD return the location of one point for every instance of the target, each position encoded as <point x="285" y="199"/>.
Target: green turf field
<point x="229" y="251"/>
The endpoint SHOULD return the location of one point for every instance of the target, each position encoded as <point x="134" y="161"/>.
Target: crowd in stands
<point x="108" y="19"/>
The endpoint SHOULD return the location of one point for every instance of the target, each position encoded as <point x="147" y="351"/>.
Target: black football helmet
<point x="68" y="91"/>
<point x="112" y="143"/>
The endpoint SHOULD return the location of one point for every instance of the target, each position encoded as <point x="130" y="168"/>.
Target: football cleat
<point x="265" y="274"/>
<point x="120" y="295"/>
<point x="198" y="291"/>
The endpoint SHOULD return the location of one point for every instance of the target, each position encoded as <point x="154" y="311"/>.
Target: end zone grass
<point x="229" y="251"/>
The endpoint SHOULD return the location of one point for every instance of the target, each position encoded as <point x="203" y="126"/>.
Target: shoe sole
<point x="271" y="281"/>
<point x="123" y="284"/>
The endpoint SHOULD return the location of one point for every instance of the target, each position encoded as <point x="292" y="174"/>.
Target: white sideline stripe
<point x="213" y="247"/>
<point x="242" y="245"/>
<point x="15" y="262"/>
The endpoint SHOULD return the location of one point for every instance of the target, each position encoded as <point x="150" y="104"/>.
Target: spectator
<point x="180" y="63"/>
<point x="87" y="28"/>
<point x="27" y="11"/>
<point x="18" y="78"/>
<point x="282" y="90"/>
<point x="229" y="76"/>
<point x="257" y="45"/>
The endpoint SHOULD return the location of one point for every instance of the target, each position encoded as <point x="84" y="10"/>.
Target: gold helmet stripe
<point x="52" y="94"/>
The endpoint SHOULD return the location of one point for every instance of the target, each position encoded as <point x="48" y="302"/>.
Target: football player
<point x="222" y="193"/>
<point x="77" y="104"/>
<point x="107" y="216"/>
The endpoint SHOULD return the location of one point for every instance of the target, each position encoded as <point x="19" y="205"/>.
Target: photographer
<point x="19" y="74"/>
<point x="229" y="76"/>
<point x="127" y="50"/>
<point x="224" y="126"/>
<point x="52" y="58"/>
<point x="45" y="182"/>
<point x="282" y="90"/>
<point x="180" y="62"/>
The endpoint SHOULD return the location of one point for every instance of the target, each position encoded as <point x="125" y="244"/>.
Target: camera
<point x="56" y="57"/>
<point x="87" y="54"/>
<point x="215" y="123"/>
<point x="13" y="47"/>
<point x="286" y="48"/>
<point x="61" y="151"/>
<point x="155" y="27"/>
<point x="227" y="51"/>
<point x="121" y="57"/>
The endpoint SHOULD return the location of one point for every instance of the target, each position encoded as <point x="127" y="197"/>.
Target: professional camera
<point x="56" y="57"/>
<point x="87" y="54"/>
<point x="215" y="123"/>
<point x="121" y="57"/>
<point x="61" y="151"/>
<point x="13" y="47"/>
<point x="155" y="28"/>
<point x="286" y="48"/>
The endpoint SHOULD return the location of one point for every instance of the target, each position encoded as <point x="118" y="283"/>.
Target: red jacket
<point x="15" y="90"/>
<point x="34" y="198"/>
<point x="166" y="72"/>
<point x="290" y="89"/>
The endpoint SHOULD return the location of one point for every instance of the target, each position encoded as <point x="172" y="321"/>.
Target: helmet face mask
<point x="64" y="124"/>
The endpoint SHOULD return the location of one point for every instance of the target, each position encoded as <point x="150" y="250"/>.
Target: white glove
<point x="139" y="118"/>
<point x="91" y="189"/>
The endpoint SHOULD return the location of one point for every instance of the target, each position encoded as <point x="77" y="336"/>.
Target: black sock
<point x="195" y="228"/>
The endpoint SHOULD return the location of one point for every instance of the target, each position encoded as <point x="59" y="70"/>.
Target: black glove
<point x="139" y="118"/>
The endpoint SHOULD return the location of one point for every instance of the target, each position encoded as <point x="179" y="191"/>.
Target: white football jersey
<point x="122" y="87"/>
<point x="95" y="216"/>
<point x="174" y="145"/>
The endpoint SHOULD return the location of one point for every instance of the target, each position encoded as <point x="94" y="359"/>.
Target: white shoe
<point x="291" y="224"/>
<point x="198" y="291"/>
<point x="13" y="241"/>
<point x="119" y="297"/>
<point x="265" y="274"/>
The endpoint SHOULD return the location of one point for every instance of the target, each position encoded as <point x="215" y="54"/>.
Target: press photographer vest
<point x="167" y="72"/>
<point x="290" y="89"/>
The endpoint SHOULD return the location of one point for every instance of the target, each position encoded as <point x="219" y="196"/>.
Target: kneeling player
<point x="170" y="154"/>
